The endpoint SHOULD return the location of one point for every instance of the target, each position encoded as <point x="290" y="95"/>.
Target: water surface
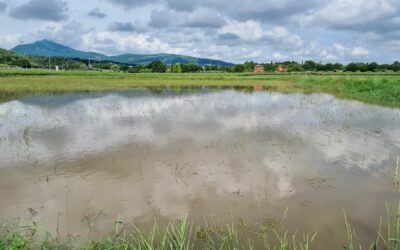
<point x="221" y="156"/>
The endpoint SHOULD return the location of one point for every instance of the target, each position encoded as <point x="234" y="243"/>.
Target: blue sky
<point x="235" y="30"/>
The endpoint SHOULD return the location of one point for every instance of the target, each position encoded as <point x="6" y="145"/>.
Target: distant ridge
<point x="50" y="48"/>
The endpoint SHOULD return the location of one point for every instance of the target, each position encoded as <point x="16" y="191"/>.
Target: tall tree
<point x="158" y="67"/>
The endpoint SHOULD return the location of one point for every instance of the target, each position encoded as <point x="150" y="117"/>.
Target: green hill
<point x="13" y="59"/>
<point x="49" y="48"/>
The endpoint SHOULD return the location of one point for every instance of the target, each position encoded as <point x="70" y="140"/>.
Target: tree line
<point x="312" y="66"/>
<point x="292" y="66"/>
<point x="13" y="59"/>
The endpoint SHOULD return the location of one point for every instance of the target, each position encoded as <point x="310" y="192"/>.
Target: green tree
<point x="133" y="69"/>
<point x="337" y="66"/>
<point x="83" y="67"/>
<point x="373" y="67"/>
<point x="395" y="66"/>
<point x="384" y="67"/>
<point x="309" y="66"/>
<point x="249" y="66"/>
<point x="158" y="67"/>
<point x="238" y="68"/>
<point x="269" y="67"/>
<point x="353" y="67"/>
<point x="115" y="68"/>
<point x="295" y="67"/>
<point x="124" y="67"/>
<point x="329" y="67"/>
<point x="21" y="62"/>
<point x="177" y="68"/>
<point x="194" y="67"/>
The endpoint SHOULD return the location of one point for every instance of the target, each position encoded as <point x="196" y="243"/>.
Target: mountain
<point x="13" y="59"/>
<point x="50" y="48"/>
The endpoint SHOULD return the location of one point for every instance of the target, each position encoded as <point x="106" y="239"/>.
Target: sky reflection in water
<point x="141" y="154"/>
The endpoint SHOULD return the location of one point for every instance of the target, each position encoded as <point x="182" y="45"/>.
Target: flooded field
<point x="77" y="163"/>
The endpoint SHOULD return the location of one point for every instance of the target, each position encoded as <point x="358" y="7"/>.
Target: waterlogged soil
<point x="77" y="163"/>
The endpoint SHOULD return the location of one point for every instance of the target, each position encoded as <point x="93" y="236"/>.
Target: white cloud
<point x="321" y="30"/>
<point x="340" y="49"/>
<point x="278" y="56"/>
<point x="247" y="31"/>
<point x="108" y="41"/>
<point x="253" y="32"/>
<point x="10" y="41"/>
<point x="284" y="38"/>
<point x="354" y="12"/>
<point x="359" y="51"/>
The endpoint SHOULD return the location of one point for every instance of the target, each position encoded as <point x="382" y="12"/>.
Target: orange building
<point x="259" y="69"/>
<point x="282" y="68"/>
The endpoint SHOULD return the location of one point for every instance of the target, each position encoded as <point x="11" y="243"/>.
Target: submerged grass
<point x="375" y="89"/>
<point x="182" y="235"/>
<point x="178" y="236"/>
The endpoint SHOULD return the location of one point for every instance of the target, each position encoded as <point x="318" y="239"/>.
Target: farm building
<point x="282" y="68"/>
<point x="258" y="69"/>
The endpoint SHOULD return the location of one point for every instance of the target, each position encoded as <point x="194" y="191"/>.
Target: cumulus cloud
<point x="108" y="41"/>
<point x="121" y="26"/>
<point x="53" y="10"/>
<point x="278" y="56"/>
<point x="97" y="13"/>
<point x="253" y="32"/>
<point x="238" y="31"/>
<point x="10" y="41"/>
<point x="68" y="33"/>
<point x="283" y="38"/>
<point x="340" y="49"/>
<point x="359" y="51"/>
<point x="377" y="15"/>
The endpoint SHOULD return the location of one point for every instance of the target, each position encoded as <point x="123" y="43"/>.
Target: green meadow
<point x="371" y="88"/>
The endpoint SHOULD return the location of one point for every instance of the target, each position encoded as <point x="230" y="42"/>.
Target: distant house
<point x="282" y="68"/>
<point x="259" y="69"/>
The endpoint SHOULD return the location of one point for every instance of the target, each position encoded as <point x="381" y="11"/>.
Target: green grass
<point x="369" y="88"/>
<point x="177" y="236"/>
<point x="182" y="235"/>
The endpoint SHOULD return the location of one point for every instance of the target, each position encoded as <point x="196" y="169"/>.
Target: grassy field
<point x="369" y="88"/>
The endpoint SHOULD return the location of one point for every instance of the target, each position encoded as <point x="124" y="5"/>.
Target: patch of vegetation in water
<point x="182" y="235"/>
<point x="375" y="89"/>
<point x="179" y="235"/>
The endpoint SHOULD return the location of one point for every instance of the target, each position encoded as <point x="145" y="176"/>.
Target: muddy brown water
<point x="224" y="156"/>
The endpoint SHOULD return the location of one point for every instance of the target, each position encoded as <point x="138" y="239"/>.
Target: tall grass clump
<point x="174" y="236"/>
